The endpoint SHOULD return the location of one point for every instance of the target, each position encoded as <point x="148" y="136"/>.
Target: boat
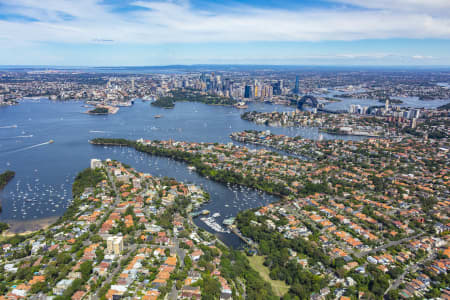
<point x="215" y="215"/>
<point x="125" y="104"/>
<point x="148" y="98"/>
<point x="211" y="223"/>
<point x="228" y="221"/>
<point x="51" y="141"/>
<point x="157" y="116"/>
<point x="205" y="212"/>
<point x="241" y="105"/>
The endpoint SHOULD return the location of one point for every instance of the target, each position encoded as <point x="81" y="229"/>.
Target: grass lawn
<point x="279" y="287"/>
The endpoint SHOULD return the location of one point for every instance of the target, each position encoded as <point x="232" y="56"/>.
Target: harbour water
<point x="45" y="171"/>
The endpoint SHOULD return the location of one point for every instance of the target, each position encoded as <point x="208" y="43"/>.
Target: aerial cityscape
<point x="194" y="149"/>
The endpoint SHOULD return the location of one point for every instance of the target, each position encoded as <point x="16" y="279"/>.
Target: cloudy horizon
<point x="114" y="33"/>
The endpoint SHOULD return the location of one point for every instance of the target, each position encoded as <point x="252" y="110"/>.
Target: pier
<point x="243" y="238"/>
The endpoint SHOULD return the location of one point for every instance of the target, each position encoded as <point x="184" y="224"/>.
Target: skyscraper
<point x="297" y="85"/>
<point x="248" y="91"/>
<point x="277" y="88"/>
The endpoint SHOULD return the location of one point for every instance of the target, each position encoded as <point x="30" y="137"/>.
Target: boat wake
<point x="28" y="147"/>
<point x="17" y="137"/>
<point x="9" y="126"/>
<point x="98" y="131"/>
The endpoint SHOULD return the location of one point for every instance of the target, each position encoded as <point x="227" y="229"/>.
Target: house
<point x="61" y="286"/>
<point x="78" y="295"/>
<point x="195" y="255"/>
<point x="190" y="292"/>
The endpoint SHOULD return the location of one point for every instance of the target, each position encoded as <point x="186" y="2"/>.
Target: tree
<point x="211" y="288"/>
<point x="63" y="259"/>
<point x="379" y="284"/>
<point x="3" y="227"/>
<point x="392" y="295"/>
<point x="39" y="287"/>
<point x="86" y="270"/>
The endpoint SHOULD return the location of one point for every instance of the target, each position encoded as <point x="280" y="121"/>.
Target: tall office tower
<point x="364" y="110"/>
<point x="248" y="91"/>
<point x="417" y="114"/>
<point x="226" y="84"/>
<point x="386" y="105"/>
<point x="297" y="85"/>
<point x="132" y="84"/>
<point x="352" y="108"/>
<point x="276" y="88"/>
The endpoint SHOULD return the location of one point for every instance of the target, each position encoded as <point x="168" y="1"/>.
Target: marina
<point x="211" y="223"/>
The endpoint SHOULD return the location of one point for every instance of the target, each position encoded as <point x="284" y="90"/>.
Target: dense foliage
<point x="275" y="247"/>
<point x="3" y="227"/>
<point x="235" y="265"/>
<point x="192" y="96"/>
<point x="86" y="178"/>
<point x="165" y="102"/>
<point x="445" y="106"/>
<point x="5" y="178"/>
<point x="99" y="111"/>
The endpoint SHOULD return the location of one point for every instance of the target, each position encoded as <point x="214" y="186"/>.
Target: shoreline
<point x="27" y="226"/>
<point x="134" y="145"/>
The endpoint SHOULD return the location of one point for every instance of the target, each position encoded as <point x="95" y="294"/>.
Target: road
<point x="130" y="250"/>
<point x="111" y="274"/>
<point x="173" y="295"/>
<point x="111" y="179"/>
<point x="411" y="268"/>
<point x="394" y="243"/>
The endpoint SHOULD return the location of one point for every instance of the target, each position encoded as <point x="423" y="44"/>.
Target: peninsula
<point x="127" y="234"/>
<point x="6" y="177"/>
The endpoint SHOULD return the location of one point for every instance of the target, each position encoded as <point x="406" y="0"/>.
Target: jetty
<point x="248" y="241"/>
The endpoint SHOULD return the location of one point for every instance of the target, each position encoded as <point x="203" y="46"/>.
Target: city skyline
<point x="133" y="33"/>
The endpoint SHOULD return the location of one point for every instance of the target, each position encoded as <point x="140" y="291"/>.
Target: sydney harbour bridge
<point x="312" y="101"/>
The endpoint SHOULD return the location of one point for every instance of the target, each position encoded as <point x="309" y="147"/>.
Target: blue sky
<point x="147" y="32"/>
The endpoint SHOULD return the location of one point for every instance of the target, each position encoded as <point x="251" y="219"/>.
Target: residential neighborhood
<point x="129" y="235"/>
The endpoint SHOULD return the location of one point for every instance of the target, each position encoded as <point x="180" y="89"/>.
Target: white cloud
<point x="435" y="7"/>
<point x="177" y="21"/>
<point x="422" y="57"/>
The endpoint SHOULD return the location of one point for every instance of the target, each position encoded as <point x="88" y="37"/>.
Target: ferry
<point x="241" y="105"/>
<point x="125" y="104"/>
<point x="148" y="98"/>
<point x="157" y="116"/>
